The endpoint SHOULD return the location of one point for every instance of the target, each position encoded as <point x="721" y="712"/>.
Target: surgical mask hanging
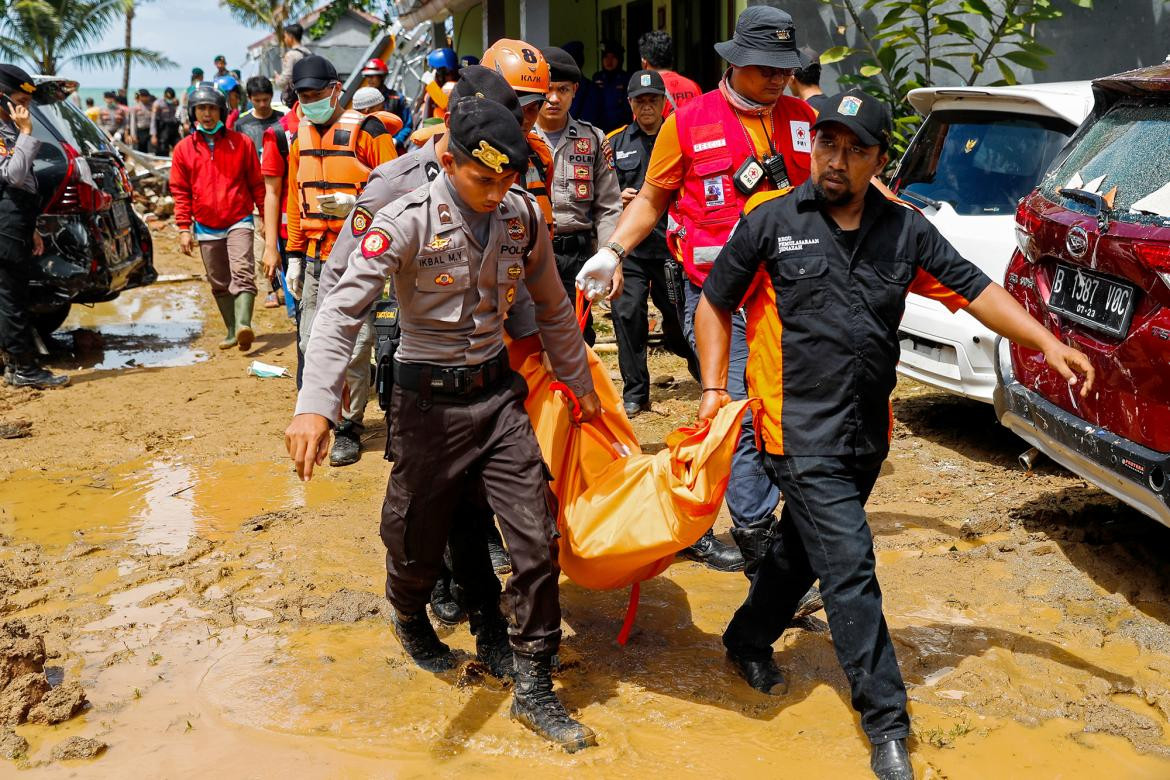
<point x="319" y="111"/>
<point x="212" y="131"/>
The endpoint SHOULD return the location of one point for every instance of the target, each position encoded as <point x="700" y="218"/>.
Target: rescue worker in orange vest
<point x="710" y="156"/>
<point x="329" y="164"/>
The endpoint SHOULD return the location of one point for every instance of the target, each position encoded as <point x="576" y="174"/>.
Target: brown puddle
<point x="150" y="327"/>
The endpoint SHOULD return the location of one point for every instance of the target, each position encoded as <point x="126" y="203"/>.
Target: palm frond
<point x="113" y="58"/>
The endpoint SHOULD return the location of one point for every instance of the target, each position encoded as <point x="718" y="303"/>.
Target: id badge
<point x="747" y="179"/>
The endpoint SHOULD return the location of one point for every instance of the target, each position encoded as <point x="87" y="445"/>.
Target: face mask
<point x="319" y="111"/>
<point x="212" y="131"/>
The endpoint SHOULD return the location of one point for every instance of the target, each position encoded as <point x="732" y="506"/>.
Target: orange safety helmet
<point x="522" y="66"/>
<point x="375" y="67"/>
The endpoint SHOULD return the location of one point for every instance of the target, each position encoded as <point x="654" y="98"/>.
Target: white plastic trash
<point x="266" y="371"/>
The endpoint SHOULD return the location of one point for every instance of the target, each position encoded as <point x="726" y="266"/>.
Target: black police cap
<point x="487" y="132"/>
<point x="478" y="81"/>
<point x="15" y="79"/>
<point x="561" y="65"/>
<point x="868" y="117"/>
<point x="313" y="72"/>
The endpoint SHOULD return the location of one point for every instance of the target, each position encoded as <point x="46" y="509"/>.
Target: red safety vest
<point x="714" y="145"/>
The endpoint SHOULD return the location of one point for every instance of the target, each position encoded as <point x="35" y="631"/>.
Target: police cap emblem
<point x="490" y="156"/>
<point x="849" y="106"/>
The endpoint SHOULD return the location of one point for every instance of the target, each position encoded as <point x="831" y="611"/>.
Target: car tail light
<point x="1156" y="256"/>
<point x="78" y="191"/>
<point x="1027" y="224"/>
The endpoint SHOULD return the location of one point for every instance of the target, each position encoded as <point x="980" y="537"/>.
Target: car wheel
<point x="48" y="321"/>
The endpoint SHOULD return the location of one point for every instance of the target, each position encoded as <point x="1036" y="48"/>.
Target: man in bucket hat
<point x="711" y="156"/>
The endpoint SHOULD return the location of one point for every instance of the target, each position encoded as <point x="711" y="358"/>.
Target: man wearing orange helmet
<point x="374" y="75"/>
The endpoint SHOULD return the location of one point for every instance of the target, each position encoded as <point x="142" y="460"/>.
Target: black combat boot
<point x="536" y="706"/>
<point x="891" y="761"/>
<point x="418" y="639"/>
<point x="492" y="648"/>
<point x="765" y="676"/>
<point x="754" y="542"/>
<point x="347" y="444"/>
<point x="714" y="553"/>
<point x="809" y="603"/>
<point x="29" y="374"/>
<point x="501" y="561"/>
<point x="447" y="610"/>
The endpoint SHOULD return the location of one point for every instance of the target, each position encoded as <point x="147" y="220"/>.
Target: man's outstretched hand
<point x="307" y="440"/>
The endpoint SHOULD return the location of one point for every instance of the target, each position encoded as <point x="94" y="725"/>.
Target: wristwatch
<point x="617" y="249"/>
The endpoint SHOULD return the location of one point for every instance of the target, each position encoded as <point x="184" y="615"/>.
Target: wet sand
<point x="225" y="619"/>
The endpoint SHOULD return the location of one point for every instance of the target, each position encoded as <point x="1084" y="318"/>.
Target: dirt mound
<point x="76" y="748"/>
<point x="25" y="692"/>
<point x="350" y="606"/>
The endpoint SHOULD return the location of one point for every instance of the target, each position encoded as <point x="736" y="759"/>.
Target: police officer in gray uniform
<point x="585" y="197"/>
<point x="459" y="248"/>
<point x="19" y="242"/>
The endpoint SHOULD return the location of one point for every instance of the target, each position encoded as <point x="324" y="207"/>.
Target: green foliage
<point x="47" y="34"/>
<point x="272" y="15"/>
<point x="914" y="41"/>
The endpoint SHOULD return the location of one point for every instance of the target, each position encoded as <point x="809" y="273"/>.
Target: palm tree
<point x="49" y="34"/>
<point x="273" y="14"/>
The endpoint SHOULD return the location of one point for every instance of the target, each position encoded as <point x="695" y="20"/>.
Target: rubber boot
<point x="227" y="310"/>
<point x="420" y="642"/>
<point x="492" y="648"/>
<point x="891" y="761"/>
<point x="714" y="553"/>
<point x="245" y="301"/>
<point x="536" y="706"/>
<point x="443" y="604"/>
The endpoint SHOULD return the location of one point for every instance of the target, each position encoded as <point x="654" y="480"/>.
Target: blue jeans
<point x="823" y="533"/>
<point x="751" y="496"/>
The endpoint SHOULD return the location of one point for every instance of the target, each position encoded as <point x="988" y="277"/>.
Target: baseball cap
<point x="561" y="65"/>
<point x="196" y="71"/>
<point x="646" y="82"/>
<point x="220" y="58"/>
<point x="763" y="36"/>
<point x="868" y="117"/>
<point x="313" y="72"/>
<point x="483" y="82"/>
<point x="488" y="132"/>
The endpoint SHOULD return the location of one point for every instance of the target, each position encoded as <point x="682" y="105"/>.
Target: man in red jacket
<point x="216" y="184"/>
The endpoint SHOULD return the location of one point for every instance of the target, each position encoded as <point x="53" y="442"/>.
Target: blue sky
<point x="190" y="32"/>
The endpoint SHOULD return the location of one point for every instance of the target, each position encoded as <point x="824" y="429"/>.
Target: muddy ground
<point x="223" y="618"/>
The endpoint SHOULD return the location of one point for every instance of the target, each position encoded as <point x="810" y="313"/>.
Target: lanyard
<point x="764" y="126"/>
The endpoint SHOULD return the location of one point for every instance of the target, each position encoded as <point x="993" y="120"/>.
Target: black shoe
<point x="714" y="553"/>
<point x="536" y="706"/>
<point x="764" y="676"/>
<point x="891" y="761"/>
<point x="347" y="445"/>
<point x="501" y="562"/>
<point x="492" y="648"/>
<point x="418" y="639"/>
<point x="754" y="543"/>
<point x="634" y="409"/>
<point x="809" y="603"/>
<point x="447" y="610"/>
<point x="32" y="375"/>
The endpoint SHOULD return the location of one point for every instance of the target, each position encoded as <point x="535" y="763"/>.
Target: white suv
<point x="980" y="150"/>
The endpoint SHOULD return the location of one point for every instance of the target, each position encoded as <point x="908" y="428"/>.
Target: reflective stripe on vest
<point x="328" y="165"/>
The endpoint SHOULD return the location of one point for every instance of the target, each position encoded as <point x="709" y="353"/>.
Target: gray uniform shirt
<point x="453" y="294"/>
<point x="387" y="183"/>
<point x="16" y="157"/>
<point x="585" y="194"/>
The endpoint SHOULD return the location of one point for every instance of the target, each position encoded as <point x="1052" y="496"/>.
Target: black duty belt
<point x="451" y="381"/>
<point x="572" y="243"/>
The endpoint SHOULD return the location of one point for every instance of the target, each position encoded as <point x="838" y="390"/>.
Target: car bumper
<point x="952" y="352"/>
<point x="1126" y="470"/>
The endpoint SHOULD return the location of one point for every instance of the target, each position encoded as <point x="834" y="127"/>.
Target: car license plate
<point x="121" y="215"/>
<point x="1095" y="300"/>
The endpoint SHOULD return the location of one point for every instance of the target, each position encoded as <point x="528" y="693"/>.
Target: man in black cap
<point x="710" y="157"/>
<point x="459" y="250"/>
<point x="611" y="89"/>
<point x="840" y="258"/>
<point x="644" y="268"/>
<point x="806" y="81"/>
<point x="19" y="240"/>
<point x="328" y="166"/>
<point x="586" y="199"/>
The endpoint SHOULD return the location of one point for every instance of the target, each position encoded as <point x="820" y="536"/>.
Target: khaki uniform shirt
<point x="585" y="194"/>
<point x="453" y="293"/>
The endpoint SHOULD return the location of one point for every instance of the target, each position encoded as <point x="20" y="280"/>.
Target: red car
<point x="1093" y="265"/>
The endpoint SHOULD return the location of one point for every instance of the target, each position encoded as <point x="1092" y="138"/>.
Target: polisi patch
<point x="516" y="230"/>
<point x="376" y="242"/>
<point x="444" y="279"/>
<point x="582" y="172"/>
<point x="849" y="106"/>
<point x="583" y="145"/>
<point x="510" y="295"/>
<point x="514" y="271"/>
<point x="583" y="190"/>
<point x="361" y="221"/>
<point x="438" y="243"/>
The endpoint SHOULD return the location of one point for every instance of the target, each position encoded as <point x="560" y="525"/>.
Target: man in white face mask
<point x="328" y="166"/>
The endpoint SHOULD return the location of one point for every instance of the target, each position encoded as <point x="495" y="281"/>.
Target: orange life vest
<point x="538" y="177"/>
<point x="389" y="120"/>
<point x="328" y="165"/>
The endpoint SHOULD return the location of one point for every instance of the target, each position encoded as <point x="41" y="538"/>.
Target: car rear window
<point x="75" y="127"/>
<point x="1130" y="147"/>
<point x="981" y="162"/>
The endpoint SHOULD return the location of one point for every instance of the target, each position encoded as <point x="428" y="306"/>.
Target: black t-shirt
<point x="253" y="126"/>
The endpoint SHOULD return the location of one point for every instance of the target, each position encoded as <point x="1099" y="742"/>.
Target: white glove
<point x="337" y="204"/>
<point x="596" y="275"/>
<point x="295" y="278"/>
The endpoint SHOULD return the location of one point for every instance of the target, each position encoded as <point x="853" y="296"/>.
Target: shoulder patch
<point x="763" y="197"/>
<point x="376" y="242"/>
<point x="361" y="221"/>
<point x="607" y="151"/>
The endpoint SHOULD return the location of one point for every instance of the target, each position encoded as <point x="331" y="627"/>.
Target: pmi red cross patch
<point x="376" y="242"/>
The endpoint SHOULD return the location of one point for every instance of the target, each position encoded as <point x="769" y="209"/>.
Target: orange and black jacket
<point x="823" y="307"/>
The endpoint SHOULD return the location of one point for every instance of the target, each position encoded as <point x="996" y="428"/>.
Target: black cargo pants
<point x="18" y="214"/>
<point x="442" y="453"/>
<point x="571" y="252"/>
